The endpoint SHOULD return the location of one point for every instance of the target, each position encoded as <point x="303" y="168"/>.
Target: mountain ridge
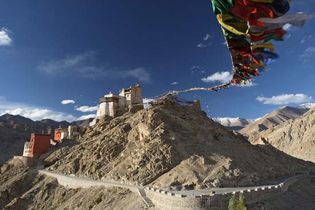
<point x="270" y="120"/>
<point x="294" y="137"/>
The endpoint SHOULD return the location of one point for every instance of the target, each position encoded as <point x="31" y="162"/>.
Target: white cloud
<point x="287" y="27"/>
<point x="308" y="105"/>
<point x="285" y="99"/>
<point x="32" y="112"/>
<point x="85" y="117"/>
<point x="67" y="101"/>
<point x="223" y="77"/>
<point x="230" y="121"/>
<point x="174" y="83"/>
<point x="87" y="108"/>
<point x="206" y="41"/>
<point x="84" y="65"/>
<point x="5" y="39"/>
<point x="207" y="37"/>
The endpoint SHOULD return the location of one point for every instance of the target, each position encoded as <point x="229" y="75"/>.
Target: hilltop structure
<point x="66" y="133"/>
<point x="115" y="105"/>
<point x="39" y="144"/>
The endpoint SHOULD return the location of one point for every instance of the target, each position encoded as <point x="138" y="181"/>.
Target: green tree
<point x="232" y="203"/>
<point x="241" y="202"/>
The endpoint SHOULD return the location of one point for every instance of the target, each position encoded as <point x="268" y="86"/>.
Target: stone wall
<point x="179" y="200"/>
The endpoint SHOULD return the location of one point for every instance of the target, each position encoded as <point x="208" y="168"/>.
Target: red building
<point x="60" y="134"/>
<point x="39" y="144"/>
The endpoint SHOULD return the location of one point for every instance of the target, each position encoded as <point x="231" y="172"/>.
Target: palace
<point x="115" y="105"/>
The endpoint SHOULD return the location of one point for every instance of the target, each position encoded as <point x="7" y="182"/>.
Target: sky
<point x="58" y="57"/>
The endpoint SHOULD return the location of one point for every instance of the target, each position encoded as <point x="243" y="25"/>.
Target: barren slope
<point x="169" y="145"/>
<point x="22" y="188"/>
<point x="300" y="195"/>
<point x="271" y="120"/>
<point x="295" y="137"/>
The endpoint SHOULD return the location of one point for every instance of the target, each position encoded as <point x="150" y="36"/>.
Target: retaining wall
<point x="27" y="161"/>
<point x="178" y="200"/>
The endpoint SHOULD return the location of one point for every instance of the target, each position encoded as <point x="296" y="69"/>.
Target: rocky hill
<point x="271" y="120"/>
<point x="173" y="145"/>
<point x="295" y="137"/>
<point x="168" y="145"/>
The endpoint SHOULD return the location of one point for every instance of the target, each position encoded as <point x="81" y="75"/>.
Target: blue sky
<point x="79" y="50"/>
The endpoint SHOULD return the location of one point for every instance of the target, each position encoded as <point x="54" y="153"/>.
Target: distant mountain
<point x="271" y="120"/>
<point x="295" y="137"/>
<point x="15" y="130"/>
<point x="53" y="123"/>
<point x="233" y="123"/>
<point x="83" y="123"/>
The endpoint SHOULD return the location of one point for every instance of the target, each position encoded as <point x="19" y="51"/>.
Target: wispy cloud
<point x="308" y="54"/>
<point x="206" y="41"/>
<point x="32" y="112"/>
<point x="306" y="39"/>
<point x="194" y="69"/>
<point x="5" y="39"/>
<point x="84" y="65"/>
<point x="285" y="99"/>
<point x="139" y="73"/>
<point x="222" y="77"/>
<point x="87" y="108"/>
<point x="85" y="117"/>
<point x="67" y="101"/>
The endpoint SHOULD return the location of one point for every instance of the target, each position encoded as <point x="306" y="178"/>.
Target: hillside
<point x="295" y="137"/>
<point x="271" y="120"/>
<point x="23" y="188"/>
<point x="170" y="145"/>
